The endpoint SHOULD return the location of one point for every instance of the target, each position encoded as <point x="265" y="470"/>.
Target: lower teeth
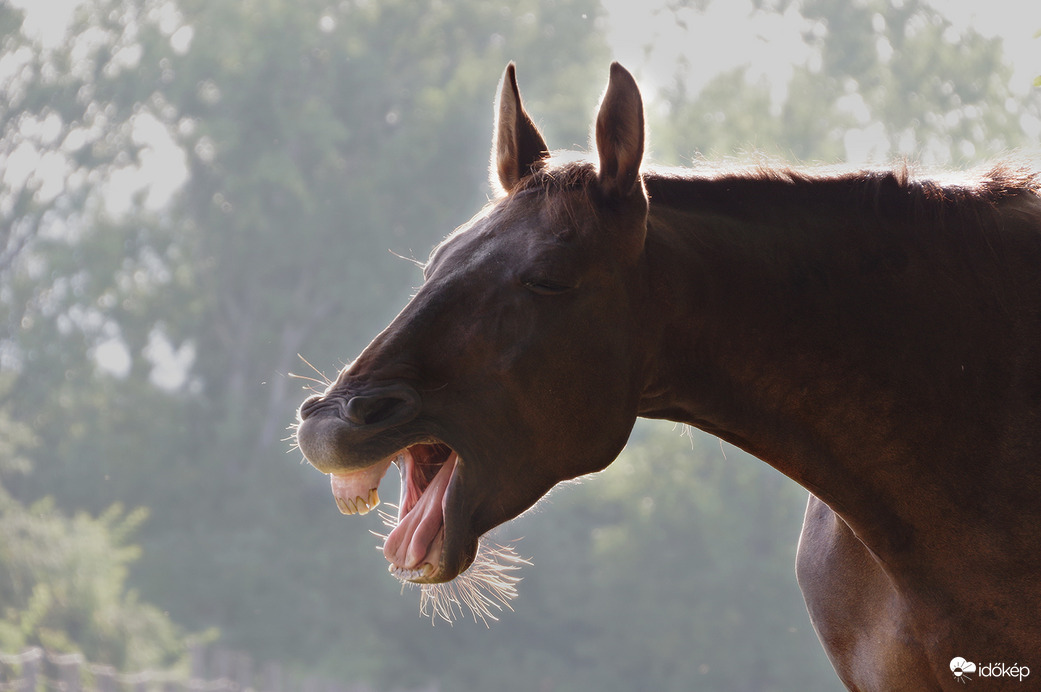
<point x="409" y="574"/>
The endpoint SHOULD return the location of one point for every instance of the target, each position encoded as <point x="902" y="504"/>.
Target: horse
<point x="874" y="335"/>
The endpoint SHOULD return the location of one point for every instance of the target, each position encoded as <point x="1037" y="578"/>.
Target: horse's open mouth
<point x="414" y="545"/>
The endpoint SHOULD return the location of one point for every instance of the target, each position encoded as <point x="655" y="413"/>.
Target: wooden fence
<point x="212" y="670"/>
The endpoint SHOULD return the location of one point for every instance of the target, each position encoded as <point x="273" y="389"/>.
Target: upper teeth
<point x="359" y="505"/>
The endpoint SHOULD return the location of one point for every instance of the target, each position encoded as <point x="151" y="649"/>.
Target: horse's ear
<point x="619" y="134"/>
<point x="518" y="147"/>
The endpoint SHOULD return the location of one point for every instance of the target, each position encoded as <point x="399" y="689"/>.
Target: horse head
<point x="518" y="363"/>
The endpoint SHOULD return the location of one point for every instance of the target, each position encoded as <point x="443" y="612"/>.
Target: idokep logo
<point x="962" y="669"/>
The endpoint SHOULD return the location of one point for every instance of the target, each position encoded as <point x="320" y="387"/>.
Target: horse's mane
<point x="888" y="193"/>
<point x="884" y="193"/>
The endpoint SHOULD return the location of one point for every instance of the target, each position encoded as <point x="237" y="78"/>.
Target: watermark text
<point x="964" y="670"/>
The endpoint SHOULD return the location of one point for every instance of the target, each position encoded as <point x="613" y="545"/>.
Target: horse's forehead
<point x="513" y="227"/>
<point x="527" y="215"/>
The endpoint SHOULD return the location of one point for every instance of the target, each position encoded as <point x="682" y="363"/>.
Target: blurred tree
<point x="887" y="80"/>
<point x="734" y="117"/>
<point x="67" y="133"/>
<point x="87" y="273"/>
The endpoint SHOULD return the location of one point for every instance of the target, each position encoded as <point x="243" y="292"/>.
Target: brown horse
<point x="873" y="336"/>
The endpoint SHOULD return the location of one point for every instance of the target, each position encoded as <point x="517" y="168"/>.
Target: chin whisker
<point x="484" y="589"/>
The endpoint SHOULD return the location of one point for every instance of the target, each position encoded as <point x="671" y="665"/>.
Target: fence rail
<point x="212" y="670"/>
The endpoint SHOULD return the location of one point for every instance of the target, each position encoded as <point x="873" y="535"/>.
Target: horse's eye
<point x="544" y="287"/>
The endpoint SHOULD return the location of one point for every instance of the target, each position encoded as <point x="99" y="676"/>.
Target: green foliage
<point x="64" y="588"/>
<point x="15" y="439"/>
<point x="63" y="580"/>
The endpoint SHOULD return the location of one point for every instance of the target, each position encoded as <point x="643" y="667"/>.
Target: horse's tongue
<point x="412" y="542"/>
<point x="355" y="491"/>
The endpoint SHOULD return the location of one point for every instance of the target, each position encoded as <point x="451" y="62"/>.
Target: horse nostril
<point x="365" y="410"/>
<point x="395" y="406"/>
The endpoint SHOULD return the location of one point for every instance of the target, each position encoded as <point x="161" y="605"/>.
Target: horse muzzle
<point x="339" y="433"/>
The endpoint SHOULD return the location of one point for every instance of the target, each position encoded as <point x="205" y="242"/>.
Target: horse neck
<point x="819" y="342"/>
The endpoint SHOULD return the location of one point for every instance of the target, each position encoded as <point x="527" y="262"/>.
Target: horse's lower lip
<point x="426" y="572"/>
